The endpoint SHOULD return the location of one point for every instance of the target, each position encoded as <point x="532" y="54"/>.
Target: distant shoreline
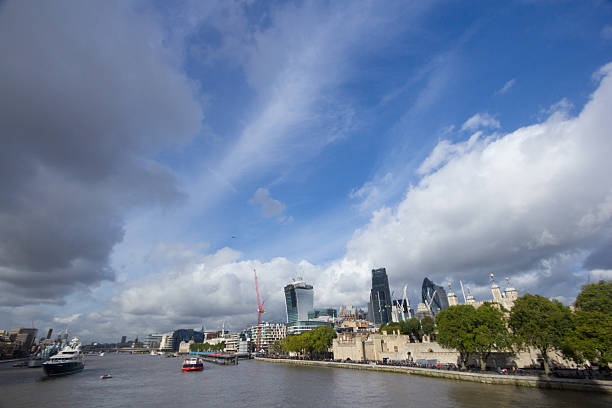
<point x="601" y="386"/>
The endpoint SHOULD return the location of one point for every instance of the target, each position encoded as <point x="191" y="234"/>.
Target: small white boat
<point x="101" y="354"/>
<point x="106" y="376"/>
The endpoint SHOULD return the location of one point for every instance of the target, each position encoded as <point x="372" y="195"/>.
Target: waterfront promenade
<point x="486" y="378"/>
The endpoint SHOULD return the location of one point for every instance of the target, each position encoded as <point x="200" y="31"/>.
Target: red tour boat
<point x="193" y="364"/>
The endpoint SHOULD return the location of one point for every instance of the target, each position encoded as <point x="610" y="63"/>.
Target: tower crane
<point x="260" y="311"/>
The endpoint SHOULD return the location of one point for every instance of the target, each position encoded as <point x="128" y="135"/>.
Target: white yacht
<point x="68" y="361"/>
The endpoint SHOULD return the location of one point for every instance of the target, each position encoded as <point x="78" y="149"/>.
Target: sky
<point x="155" y="153"/>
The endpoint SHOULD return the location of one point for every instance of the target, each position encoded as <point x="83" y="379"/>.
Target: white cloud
<point x="67" y="320"/>
<point x="600" y="274"/>
<point x="445" y="150"/>
<point x="370" y="194"/>
<point x="270" y="207"/>
<point x="480" y="121"/>
<point x="526" y="201"/>
<point x="506" y="87"/>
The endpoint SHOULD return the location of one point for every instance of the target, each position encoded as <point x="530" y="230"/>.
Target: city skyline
<point x="155" y="154"/>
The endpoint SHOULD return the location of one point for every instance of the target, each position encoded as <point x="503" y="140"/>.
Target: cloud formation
<point x="528" y="201"/>
<point x="270" y="207"/>
<point x="83" y="108"/>
<point x="481" y="121"/>
<point x="509" y="84"/>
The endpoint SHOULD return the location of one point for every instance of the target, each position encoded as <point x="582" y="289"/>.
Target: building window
<point x="395" y="348"/>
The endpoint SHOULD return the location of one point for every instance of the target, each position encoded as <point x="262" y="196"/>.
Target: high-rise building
<point x="299" y="300"/>
<point x="434" y="297"/>
<point x="379" y="308"/>
<point x="123" y="339"/>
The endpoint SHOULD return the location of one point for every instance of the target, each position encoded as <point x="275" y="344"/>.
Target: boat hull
<point x="193" y="368"/>
<point x="65" y="368"/>
<point x="35" y="363"/>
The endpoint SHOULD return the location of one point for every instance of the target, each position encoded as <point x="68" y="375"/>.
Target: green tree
<point x="391" y="327"/>
<point x="320" y="340"/>
<point x="456" y="329"/>
<point x="412" y="328"/>
<point x="490" y="332"/>
<point x="591" y="337"/>
<point x="276" y="348"/>
<point x="596" y="297"/>
<point x="540" y="323"/>
<point x="314" y="343"/>
<point x="428" y="325"/>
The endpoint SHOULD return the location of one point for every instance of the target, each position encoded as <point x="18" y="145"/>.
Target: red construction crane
<point x="260" y="311"/>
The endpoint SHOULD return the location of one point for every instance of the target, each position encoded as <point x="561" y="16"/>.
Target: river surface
<point x="153" y="381"/>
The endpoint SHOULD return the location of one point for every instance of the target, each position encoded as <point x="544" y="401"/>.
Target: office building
<point x="186" y="335"/>
<point x="166" y="342"/>
<point x="152" y="340"/>
<point x="379" y="308"/>
<point x="304" y="326"/>
<point x="328" y="315"/>
<point x="299" y="300"/>
<point x="434" y="297"/>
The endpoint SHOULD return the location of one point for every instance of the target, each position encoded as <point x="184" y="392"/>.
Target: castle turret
<point x="495" y="290"/>
<point x="469" y="298"/>
<point x="452" y="298"/>
<point x="510" y="293"/>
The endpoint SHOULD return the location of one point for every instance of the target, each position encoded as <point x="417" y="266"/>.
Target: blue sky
<point x="195" y="141"/>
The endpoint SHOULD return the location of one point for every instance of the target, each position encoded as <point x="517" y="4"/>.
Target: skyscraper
<point x="379" y="308"/>
<point x="434" y="296"/>
<point x="299" y="300"/>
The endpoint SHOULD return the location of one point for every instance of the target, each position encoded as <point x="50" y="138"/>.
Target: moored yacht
<point x="68" y="361"/>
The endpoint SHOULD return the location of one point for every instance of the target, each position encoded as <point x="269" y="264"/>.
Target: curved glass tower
<point x="299" y="300"/>
<point x="434" y="296"/>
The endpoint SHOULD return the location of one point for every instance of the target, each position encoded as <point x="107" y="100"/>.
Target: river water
<point x="153" y="381"/>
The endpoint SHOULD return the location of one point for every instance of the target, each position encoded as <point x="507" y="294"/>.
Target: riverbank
<point x="523" y="381"/>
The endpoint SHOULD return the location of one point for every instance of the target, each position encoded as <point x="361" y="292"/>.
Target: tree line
<point x="534" y="321"/>
<point x="412" y="327"/>
<point x="313" y="344"/>
<point x="207" y="346"/>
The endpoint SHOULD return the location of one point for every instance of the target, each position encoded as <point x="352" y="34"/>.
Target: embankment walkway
<point x="517" y="380"/>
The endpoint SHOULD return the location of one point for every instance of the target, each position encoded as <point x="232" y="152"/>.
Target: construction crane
<point x="260" y="311"/>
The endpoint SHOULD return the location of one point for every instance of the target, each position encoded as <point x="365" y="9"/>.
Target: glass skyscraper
<point x="434" y="296"/>
<point x="299" y="300"/>
<point x="379" y="309"/>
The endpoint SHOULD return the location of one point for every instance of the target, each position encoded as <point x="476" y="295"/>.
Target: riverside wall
<point x="516" y="380"/>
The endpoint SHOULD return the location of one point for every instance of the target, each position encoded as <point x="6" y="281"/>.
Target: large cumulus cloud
<point x="533" y="202"/>
<point x="87" y="96"/>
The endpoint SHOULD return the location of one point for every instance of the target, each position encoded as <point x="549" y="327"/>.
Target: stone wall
<point x="397" y="347"/>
